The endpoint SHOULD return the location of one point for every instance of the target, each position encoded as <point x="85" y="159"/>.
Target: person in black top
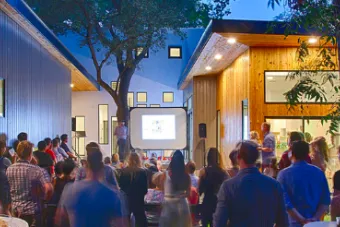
<point x="152" y="169"/>
<point x="211" y="178"/>
<point x="133" y="181"/>
<point x="44" y="160"/>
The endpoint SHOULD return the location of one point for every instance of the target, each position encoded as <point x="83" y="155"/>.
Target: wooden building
<point x="235" y="81"/>
<point x="37" y="76"/>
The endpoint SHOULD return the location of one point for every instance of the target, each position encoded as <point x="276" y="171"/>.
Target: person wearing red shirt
<point x="286" y="156"/>
<point x="49" y="151"/>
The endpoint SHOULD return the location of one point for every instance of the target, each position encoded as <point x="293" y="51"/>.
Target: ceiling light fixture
<point x="218" y="57"/>
<point x="72" y="85"/>
<point x="208" y="68"/>
<point x="231" y="40"/>
<point x="312" y="40"/>
<point x="270" y="77"/>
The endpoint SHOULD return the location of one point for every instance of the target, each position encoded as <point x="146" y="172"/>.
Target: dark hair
<point x="92" y="145"/>
<point x="59" y="167"/>
<point x="300" y="150"/>
<point x="68" y="166"/>
<point x="233" y="157"/>
<point x="63" y="137"/>
<point x="191" y="167"/>
<point x="42" y="146"/>
<point x="248" y="152"/>
<point x="94" y="159"/>
<point x="153" y="161"/>
<point x="22" y="136"/>
<point x="48" y="141"/>
<point x="213" y="159"/>
<point x="336" y="180"/>
<point x="107" y="160"/>
<point x="179" y="178"/>
<point x="2" y="146"/>
<point x="295" y="136"/>
<point x="55" y="142"/>
<point x="58" y="139"/>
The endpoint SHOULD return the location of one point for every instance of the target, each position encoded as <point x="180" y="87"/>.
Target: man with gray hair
<point x="268" y="145"/>
<point x="250" y="198"/>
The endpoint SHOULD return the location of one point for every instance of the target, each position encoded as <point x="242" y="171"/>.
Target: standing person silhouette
<point x="121" y="132"/>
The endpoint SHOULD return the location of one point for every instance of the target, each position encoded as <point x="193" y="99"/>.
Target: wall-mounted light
<point x="218" y="57"/>
<point x="312" y="40"/>
<point x="72" y="85"/>
<point x="208" y="68"/>
<point x="270" y="77"/>
<point x="231" y="40"/>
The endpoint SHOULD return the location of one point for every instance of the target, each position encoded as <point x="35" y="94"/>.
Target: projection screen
<point x="158" y="128"/>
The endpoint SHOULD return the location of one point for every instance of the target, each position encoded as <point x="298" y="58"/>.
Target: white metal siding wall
<point x="37" y="86"/>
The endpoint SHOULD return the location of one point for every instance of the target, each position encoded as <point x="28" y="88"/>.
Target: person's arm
<point x="289" y="206"/>
<point x="201" y="182"/>
<point x="335" y="211"/>
<point x="221" y="215"/>
<point x="325" y="199"/>
<point x="46" y="185"/>
<point x="116" y="132"/>
<point x="62" y="152"/>
<point x="268" y="144"/>
<point x="281" y="216"/>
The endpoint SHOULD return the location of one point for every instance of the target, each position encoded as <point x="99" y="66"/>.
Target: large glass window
<point x="130" y="98"/>
<point x="103" y="123"/>
<point x="280" y="128"/>
<point x="2" y="97"/>
<point x="114" y="124"/>
<point x="142" y="97"/>
<point x="80" y="141"/>
<point x="168" y="97"/>
<point x="245" y="120"/>
<point x="175" y="52"/>
<point x="276" y="84"/>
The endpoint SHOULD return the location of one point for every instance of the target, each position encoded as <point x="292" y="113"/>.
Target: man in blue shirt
<point x="305" y="188"/>
<point x="268" y="145"/>
<point x="250" y="198"/>
<point x="90" y="202"/>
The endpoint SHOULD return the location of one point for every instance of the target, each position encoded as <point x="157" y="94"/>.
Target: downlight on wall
<point x="208" y="68"/>
<point x="218" y="57"/>
<point x="72" y="85"/>
<point x="231" y="40"/>
<point x="312" y="40"/>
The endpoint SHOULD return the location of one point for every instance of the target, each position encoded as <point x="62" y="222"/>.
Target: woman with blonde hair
<point x="134" y="182"/>
<point x="254" y="136"/>
<point x="320" y="152"/>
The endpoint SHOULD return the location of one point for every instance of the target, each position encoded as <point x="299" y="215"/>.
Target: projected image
<point x="158" y="127"/>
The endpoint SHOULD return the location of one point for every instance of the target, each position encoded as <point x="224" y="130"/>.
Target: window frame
<point x="117" y="85"/>
<point x="3" y="98"/>
<point x="133" y="99"/>
<point x="155" y="105"/>
<point x="146" y="97"/>
<point x="146" y="54"/>
<point x="108" y="129"/>
<point x="77" y="142"/>
<point x="289" y="71"/>
<point x="168" y="92"/>
<point x="113" y="135"/>
<point x="173" y="47"/>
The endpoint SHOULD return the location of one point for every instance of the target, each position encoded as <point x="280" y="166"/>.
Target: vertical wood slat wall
<point x="37" y="86"/>
<point x="232" y="89"/>
<point x="274" y="58"/>
<point x="204" y="111"/>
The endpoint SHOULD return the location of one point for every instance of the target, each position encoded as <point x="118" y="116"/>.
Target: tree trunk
<point x="123" y="113"/>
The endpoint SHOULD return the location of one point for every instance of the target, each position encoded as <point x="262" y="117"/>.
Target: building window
<point x="103" y="123"/>
<point x="141" y="97"/>
<point x="245" y="120"/>
<point x="277" y="83"/>
<point x="168" y="97"/>
<point x="130" y="99"/>
<point x="139" y="50"/>
<point x="142" y="105"/>
<point x="155" y="105"/>
<point x="80" y="141"/>
<point x="115" y="85"/>
<point x="114" y="124"/>
<point x="2" y="97"/>
<point x="175" y="51"/>
<point x="190" y="103"/>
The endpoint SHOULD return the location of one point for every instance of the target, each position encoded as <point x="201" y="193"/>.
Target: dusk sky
<point x="252" y="10"/>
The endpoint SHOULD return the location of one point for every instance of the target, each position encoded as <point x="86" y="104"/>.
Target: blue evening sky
<point x="252" y="10"/>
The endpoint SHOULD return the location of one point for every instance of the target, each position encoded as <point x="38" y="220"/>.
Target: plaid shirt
<point x="26" y="185"/>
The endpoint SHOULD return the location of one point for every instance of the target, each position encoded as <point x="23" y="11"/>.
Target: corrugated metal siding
<point x="37" y="86"/>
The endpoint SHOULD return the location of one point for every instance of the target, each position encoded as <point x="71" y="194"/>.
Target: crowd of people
<point x="51" y="187"/>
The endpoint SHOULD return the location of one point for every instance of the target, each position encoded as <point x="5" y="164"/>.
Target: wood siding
<point x="37" y="86"/>
<point x="204" y="111"/>
<point x="265" y="58"/>
<point x="232" y="88"/>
